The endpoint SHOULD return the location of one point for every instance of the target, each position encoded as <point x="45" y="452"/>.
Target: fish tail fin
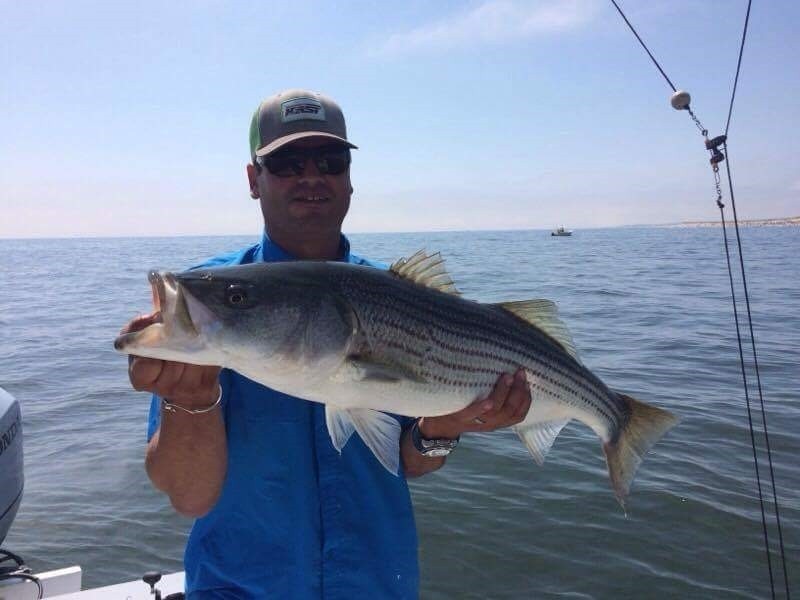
<point x="646" y="424"/>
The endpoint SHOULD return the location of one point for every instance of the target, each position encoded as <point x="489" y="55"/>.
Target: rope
<point x="733" y="297"/>
<point x="19" y="571"/>
<point x="736" y="79"/>
<point x="26" y="577"/>
<point x="747" y="396"/>
<point x="646" y="49"/>
<point x="750" y="325"/>
<point x="758" y="376"/>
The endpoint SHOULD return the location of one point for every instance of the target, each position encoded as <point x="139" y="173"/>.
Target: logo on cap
<point x="302" y="108"/>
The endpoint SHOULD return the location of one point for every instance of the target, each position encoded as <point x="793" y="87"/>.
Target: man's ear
<point x="252" y="178"/>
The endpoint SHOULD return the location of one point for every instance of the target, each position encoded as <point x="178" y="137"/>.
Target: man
<point x="280" y="513"/>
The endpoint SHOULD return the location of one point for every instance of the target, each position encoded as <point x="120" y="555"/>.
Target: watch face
<point x="437" y="447"/>
<point x="426" y="447"/>
<point x="437" y="451"/>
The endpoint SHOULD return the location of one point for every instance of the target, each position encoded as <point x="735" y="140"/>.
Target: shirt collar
<point x="272" y="252"/>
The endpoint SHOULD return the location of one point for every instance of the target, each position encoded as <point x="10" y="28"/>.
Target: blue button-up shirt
<point x="296" y="519"/>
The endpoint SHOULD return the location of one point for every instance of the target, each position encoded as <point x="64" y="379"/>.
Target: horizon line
<point x="211" y="235"/>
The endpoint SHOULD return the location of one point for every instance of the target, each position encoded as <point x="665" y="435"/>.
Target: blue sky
<point x="131" y="118"/>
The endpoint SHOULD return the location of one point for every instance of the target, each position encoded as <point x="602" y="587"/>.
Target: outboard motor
<point x="11" y="476"/>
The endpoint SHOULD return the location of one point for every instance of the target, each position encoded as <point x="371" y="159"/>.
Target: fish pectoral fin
<point x="544" y="315"/>
<point x="381" y="434"/>
<point x="340" y="426"/>
<point x="367" y="370"/>
<point x="379" y="431"/>
<point x="539" y="437"/>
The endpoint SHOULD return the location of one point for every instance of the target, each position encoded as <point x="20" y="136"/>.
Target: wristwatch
<point x="426" y="447"/>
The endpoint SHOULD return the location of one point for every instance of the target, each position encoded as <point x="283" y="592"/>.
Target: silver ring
<point x="479" y="421"/>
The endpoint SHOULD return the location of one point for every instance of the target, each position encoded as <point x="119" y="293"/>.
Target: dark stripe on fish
<point x="448" y="315"/>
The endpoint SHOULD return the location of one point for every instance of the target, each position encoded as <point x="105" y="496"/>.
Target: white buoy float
<point x="680" y="100"/>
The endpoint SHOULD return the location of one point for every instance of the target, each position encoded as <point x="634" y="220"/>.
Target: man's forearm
<point x="187" y="459"/>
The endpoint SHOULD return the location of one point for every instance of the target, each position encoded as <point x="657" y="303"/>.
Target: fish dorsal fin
<point x="425" y="269"/>
<point x="544" y="315"/>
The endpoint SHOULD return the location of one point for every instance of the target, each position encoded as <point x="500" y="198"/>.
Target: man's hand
<point x="506" y="405"/>
<point x="190" y="386"/>
<point x="187" y="456"/>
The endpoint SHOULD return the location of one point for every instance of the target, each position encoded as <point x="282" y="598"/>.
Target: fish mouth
<point x="158" y="288"/>
<point x="170" y="301"/>
<point x="172" y="317"/>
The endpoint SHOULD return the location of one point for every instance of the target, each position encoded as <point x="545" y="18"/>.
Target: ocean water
<point x="651" y="314"/>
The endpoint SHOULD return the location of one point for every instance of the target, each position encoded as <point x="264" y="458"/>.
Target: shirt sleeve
<point x="154" y="418"/>
<point x="405" y="422"/>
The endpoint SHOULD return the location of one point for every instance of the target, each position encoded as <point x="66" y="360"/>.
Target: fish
<point x="366" y="342"/>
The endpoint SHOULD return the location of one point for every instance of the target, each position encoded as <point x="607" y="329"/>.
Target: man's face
<point x="303" y="205"/>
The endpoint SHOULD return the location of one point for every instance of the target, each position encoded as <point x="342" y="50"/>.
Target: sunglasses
<point x="329" y="160"/>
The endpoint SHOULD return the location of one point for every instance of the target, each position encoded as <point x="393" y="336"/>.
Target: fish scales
<point x="364" y="341"/>
<point x="392" y="308"/>
<point x="522" y="356"/>
<point x="560" y="362"/>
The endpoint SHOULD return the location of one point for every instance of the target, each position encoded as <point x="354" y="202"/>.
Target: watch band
<point x="431" y="447"/>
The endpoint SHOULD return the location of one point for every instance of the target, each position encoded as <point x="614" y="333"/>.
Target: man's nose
<point x="310" y="170"/>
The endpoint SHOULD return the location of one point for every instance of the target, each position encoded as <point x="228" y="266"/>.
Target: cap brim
<point x="293" y="137"/>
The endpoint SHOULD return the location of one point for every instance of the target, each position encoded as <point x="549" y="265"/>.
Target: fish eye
<point x="236" y="295"/>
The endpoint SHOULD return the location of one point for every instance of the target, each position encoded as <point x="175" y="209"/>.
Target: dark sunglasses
<point x="330" y="160"/>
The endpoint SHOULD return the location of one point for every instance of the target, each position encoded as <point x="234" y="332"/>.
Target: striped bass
<point x="365" y="341"/>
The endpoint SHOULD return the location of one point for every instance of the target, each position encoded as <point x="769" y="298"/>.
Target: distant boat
<point x="561" y="232"/>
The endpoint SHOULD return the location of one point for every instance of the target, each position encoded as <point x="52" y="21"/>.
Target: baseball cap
<point x="292" y="115"/>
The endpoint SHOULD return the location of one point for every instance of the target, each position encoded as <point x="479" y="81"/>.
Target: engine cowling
<point x="12" y="479"/>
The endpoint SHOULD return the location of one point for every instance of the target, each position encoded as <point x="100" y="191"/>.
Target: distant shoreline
<point x="779" y="222"/>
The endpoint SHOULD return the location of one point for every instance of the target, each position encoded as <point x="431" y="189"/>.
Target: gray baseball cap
<point x="292" y="115"/>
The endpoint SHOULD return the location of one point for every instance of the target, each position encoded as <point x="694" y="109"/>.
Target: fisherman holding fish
<point x="285" y="506"/>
